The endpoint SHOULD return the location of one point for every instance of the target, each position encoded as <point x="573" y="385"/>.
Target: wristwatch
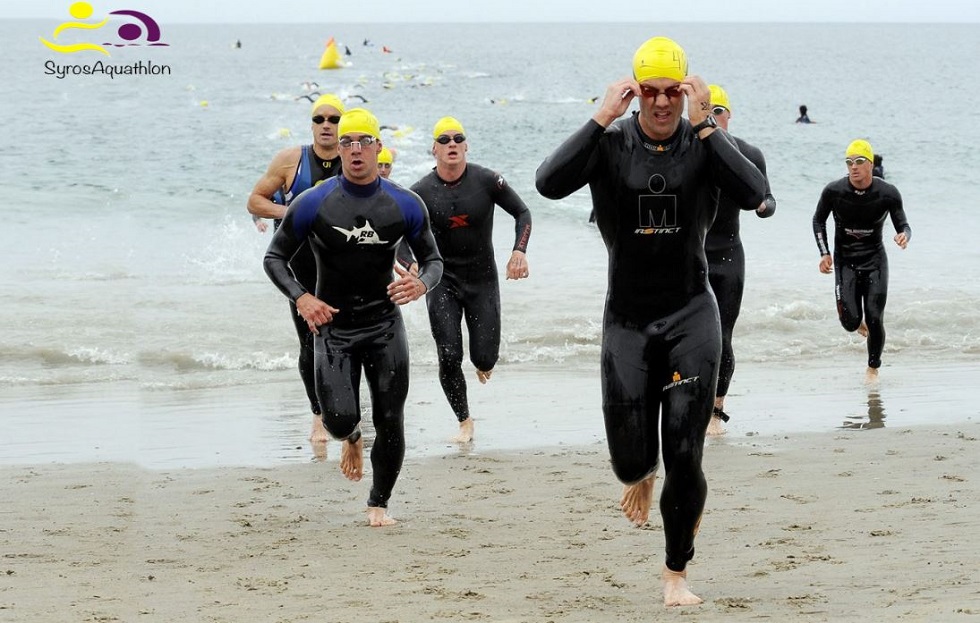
<point x="709" y="122"/>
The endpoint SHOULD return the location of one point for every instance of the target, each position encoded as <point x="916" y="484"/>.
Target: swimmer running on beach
<point x="354" y="224"/>
<point x="461" y="198"/>
<point x="726" y="259"/>
<point x="860" y="204"/>
<point x="653" y="178"/>
<point x="292" y="171"/>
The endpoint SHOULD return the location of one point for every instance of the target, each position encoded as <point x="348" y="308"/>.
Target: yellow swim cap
<point x="359" y="121"/>
<point x="659" y="57"/>
<point x="328" y="100"/>
<point x="719" y="97"/>
<point x="385" y="156"/>
<point x="860" y="147"/>
<point x="445" y="124"/>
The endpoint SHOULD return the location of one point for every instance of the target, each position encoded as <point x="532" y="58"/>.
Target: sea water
<point x="130" y="265"/>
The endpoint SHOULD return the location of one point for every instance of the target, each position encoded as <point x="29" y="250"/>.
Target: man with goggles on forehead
<point x="726" y="258"/>
<point x="354" y="224"/>
<point x="292" y="171"/>
<point x="461" y="198"/>
<point x="860" y="204"/>
<point x="653" y="178"/>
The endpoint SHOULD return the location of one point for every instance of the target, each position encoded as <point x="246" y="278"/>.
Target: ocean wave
<point x="185" y="361"/>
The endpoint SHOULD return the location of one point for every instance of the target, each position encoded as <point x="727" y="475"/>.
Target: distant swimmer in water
<point x="879" y="169"/>
<point x="360" y="97"/>
<point x="860" y="204"/>
<point x="462" y="198"/>
<point x="238" y="44"/>
<point x="594" y="99"/>
<point x="308" y="96"/>
<point x="386" y="160"/>
<point x="803" y="118"/>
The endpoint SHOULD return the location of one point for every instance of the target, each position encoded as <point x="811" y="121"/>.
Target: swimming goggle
<point x="347" y="142"/>
<point x="671" y="92"/>
<point x="445" y="138"/>
<point x="718" y="110"/>
<point x="318" y="119"/>
<point x="858" y="161"/>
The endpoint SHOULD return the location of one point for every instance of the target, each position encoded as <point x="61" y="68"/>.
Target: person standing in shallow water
<point x="354" y="224"/>
<point x="461" y="198"/>
<point x="860" y="204"/>
<point x="726" y="259"/>
<point x="654" y="178"/>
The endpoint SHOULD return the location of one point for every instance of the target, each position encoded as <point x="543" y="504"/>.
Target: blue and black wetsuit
<point x="462" y="223"/>
<point x="661" y="337"/>
<point x="310" y="171"/>
<point x="353" y="231"/>
<point x="726" y="264"/>
<point x="860" y="261"/>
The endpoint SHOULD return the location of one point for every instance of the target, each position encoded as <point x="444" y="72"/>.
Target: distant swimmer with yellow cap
<point x="386" y="160"/>
<point x="653" y="177"/>
<point x="292" y="171"/>
<point x="726" y="258"/>
<point x="860" y="204"/>
<point x="461" y="197"/>
<point x="354" y="224"/>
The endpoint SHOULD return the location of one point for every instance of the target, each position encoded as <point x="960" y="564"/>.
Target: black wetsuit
<point x="860" y="261"/>
<point x="354" y="231"/>
<point x="726" y="264"/>
<point x="462" y="222"/>
<point x="661" y="337"/>
<point x="310" y="171"/>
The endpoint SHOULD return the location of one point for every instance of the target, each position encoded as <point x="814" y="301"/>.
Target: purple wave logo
<point x="139" y="30"/>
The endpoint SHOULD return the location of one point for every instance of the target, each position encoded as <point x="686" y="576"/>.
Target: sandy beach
<point x="844" y="526"/>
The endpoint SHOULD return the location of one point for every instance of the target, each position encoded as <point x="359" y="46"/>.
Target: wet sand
<point x="844" y="526"/>
<point x="828" y="501"/>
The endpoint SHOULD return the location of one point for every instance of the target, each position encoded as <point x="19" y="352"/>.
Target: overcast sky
<point x="649" y="11"/>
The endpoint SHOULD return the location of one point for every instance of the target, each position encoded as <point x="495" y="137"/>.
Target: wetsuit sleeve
<point x="735" y="174"/>
<point x="824" y="207"/>
<point x="423" y="247"/>
<point x="404" y="255"/>
<point x="570" y="166"/>
<point x="754" y="154"/>
<point x="508" y="199"/>
<point x="294" y="230"/>
<point x="898" y="217"/>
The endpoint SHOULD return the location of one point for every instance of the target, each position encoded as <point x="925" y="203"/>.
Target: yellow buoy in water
<point x="331" y="57"/>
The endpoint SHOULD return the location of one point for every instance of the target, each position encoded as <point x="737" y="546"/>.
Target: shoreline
<point x="524" y="407"/>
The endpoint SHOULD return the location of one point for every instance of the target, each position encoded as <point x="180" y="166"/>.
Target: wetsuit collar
<point x="360" y="190"/>
<point x="651" y="145"/>
<point x="455" y="181"/>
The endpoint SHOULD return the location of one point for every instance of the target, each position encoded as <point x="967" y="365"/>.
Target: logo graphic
<point x="677" y="380"/>
<point x="858" y="233"/>
<point x="657" y="213"/>
<point x="128" y="33"/>
<point x="461" y="220"/>
<point x="363" y="235"/>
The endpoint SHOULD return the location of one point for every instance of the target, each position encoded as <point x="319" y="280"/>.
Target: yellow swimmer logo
<point x="128" y="33"/>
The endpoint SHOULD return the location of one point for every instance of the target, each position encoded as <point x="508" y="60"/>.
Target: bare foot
<point x="378" y="517"/>
<point x="715" y="429"/>
<point x="676" y="592"/>
<point x="318" y="432"/>
<point x="319" y="450"/>
<point x="871" y="376"/>
<point x="863" y="330"/>
<point x="465" y="431"/>
<point x="352" y="458"/>
<point x="636" y="501"/>
<point x="484" y="375"/>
